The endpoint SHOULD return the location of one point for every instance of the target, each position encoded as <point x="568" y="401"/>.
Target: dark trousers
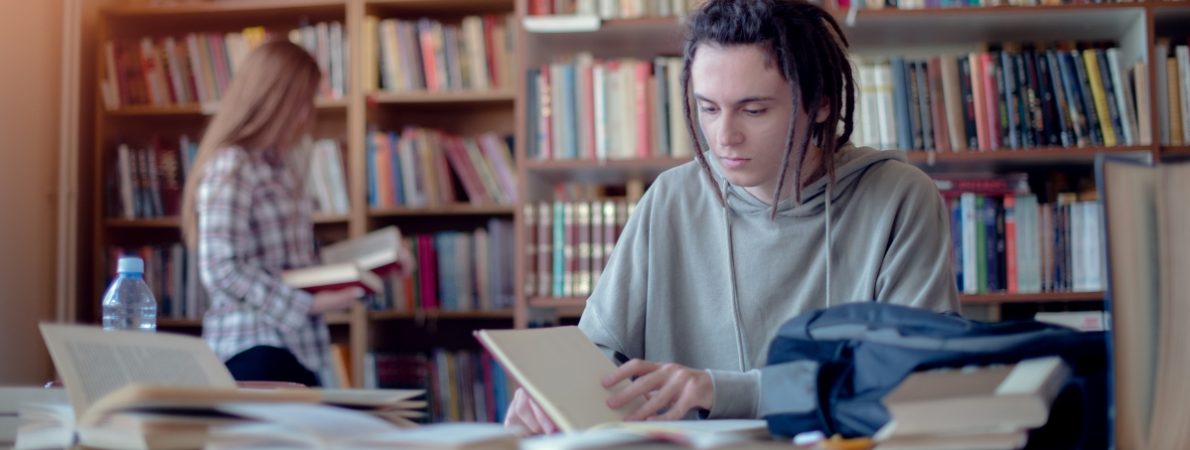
<point x="264" y="363"/>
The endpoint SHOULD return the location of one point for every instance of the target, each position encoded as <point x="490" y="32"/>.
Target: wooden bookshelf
<point x="238" y="7"/>
<point x="1004" y="298"/>
<point x="444" y="97"/>
<point x="441" y="7"/>
<point x="1182" y="151"/>
<point x="596" y="171"/>
<point x="875" y="32"/>
<point x="573" y="304"/>
<point x="503" y="314"/>
<point x="169" y="322"/>
<point x="448" y="210"/>
<point x="1042" y="156"/>
<point x="203" y="110"/>
<point x="161" y="222"/>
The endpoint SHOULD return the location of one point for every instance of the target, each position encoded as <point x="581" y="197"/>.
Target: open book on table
<point x="158" y="390"/>
<point x="319" y="427"/>
<point x="562" y="370"/>
<point x="359" y="262"/>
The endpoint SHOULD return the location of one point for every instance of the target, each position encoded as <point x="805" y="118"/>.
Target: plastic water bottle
<point x="128" y="303"/>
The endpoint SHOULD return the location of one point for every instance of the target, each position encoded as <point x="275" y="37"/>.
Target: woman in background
<point x="246" y="211"/>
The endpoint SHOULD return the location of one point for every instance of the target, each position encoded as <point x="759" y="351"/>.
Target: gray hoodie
<point x="707" y="287"/>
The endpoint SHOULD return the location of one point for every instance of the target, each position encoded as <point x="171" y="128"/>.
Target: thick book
<point x="380" y="252"/>
<point x="359" y="262"/>
<point x="126" y="391"/>
<point x="333" y="276"/>
<point x="1148" y="247"/>
<point x="562" y="371"/>
<point x="965" y="401"/>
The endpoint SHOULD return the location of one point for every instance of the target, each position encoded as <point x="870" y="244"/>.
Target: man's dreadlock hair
<point x="809" y="49"/>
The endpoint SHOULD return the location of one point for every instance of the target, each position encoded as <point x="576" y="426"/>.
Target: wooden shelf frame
<point x="466" y="97"/>
<point x="461" y="209"/>
<point x="422" y="315"/>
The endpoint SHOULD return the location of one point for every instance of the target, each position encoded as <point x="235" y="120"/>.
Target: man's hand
<point x="525" y="414"/>
<point x="671" y="389"/>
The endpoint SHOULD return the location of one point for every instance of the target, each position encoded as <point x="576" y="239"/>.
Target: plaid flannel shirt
<point x="254" y="223"/>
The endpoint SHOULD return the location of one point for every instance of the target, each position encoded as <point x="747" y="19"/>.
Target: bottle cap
<point x="130" y="264"/>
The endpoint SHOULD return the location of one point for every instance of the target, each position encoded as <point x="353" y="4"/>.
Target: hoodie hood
<point x="851" y="163"/>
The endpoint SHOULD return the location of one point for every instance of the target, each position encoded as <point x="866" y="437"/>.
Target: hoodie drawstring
<point x="826" y="245"/>
<point x="735" y="298"/>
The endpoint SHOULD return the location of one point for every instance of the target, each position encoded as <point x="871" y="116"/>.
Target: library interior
<point x="880" y="224"/>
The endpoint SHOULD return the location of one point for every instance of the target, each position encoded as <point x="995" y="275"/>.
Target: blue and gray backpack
<point x="828" y="370"/>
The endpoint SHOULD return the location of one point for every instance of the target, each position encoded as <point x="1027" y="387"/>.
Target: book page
<point x="1167" y="427"/>
<point x="562" y="370"/>
<point x="94" y="362"/>
<point x="1130" y="213"/>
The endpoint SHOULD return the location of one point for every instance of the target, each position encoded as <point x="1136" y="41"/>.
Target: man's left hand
<point x="671" y="390"/>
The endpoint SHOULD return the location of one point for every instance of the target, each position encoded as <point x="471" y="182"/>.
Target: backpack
<point x="827" y="370"/>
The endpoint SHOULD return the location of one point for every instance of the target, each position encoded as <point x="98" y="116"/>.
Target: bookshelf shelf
<point x="174" y="222"/>
<point x="640" y="38"/>
<point x="571" y="304"/>
<point x="449" y="210"/>
<point x="167" y="322"/>
<point x="1010" y="157"/>
<point x="200" y="110"/>
<point x="585" y="170"/>
<point x="503" y="314"/>
<point x="192" y="9"/>
<point x="558" y="302"/>
<point x="445" y="97"/>
<point x="888" y="28"/>
<point x="1176" y="151"/>
<point x="330" y="218"/>
<point x="1003" y="298"/>
<point x="338" y="318"/>
<point x="435" y="7"/>
<point x="1170" y="10"/>
<point x="159" y="222"/>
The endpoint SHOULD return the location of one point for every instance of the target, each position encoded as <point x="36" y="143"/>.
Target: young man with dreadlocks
<point x="778" y="216"/>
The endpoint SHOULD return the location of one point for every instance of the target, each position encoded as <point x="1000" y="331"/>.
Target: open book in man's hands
<point x="563" y="371"/>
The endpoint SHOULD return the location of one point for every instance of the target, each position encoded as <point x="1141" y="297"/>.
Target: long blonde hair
<point x="261" y="111"/>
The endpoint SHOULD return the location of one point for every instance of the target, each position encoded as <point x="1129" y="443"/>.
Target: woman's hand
<point x="671" y="390"/>
<point x="335" y="300"/>
<point x="526" y="415"/>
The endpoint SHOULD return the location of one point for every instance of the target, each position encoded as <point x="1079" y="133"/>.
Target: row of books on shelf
<point x="568" y="244"/>
<point x="197" y="68"/>
<point x="460" y="385"/>
<point x="455" y="271"/>
<point x="612" y="9"/>
<point x="428" y="55"/>
<point x="1004" y="240"/>
<point x="606" y="109"/>
<point x="171" y="271"/>
<point x="150" y="178"/>
<point x="1015" y="98"/>
<point x="421" y="167"/>
<point x="1173" y="91"/>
